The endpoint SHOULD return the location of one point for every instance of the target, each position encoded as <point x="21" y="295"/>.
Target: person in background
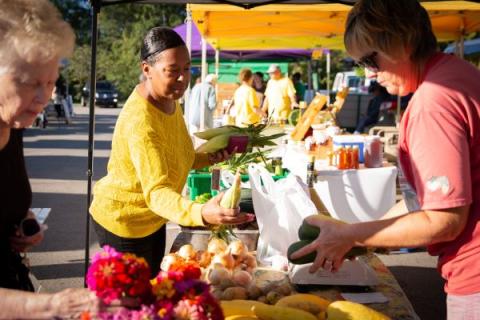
<point x="195" y="102"/>
<point x="152" y="154"/>
<point x="439" y="151"/>
<point x="380" y="95"/>
<point x="300" y="87"/>
<point x="259" y="85"/>
<point x="279" y="95"/>
<point x="245" y="101"/>
<point x="34" y="40"/>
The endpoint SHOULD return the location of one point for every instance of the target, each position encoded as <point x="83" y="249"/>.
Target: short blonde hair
<point x="32" y="30"/>
<point x="245" y="74"/>
<point x="390" y="26"/>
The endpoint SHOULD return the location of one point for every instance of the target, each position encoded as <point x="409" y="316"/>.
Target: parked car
<point x="106" y="94"/>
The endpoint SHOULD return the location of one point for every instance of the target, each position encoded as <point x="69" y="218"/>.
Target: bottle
<point x="355" y="157"/>
<point x="342" y="159"/>
<point x="348" y="157"/>
<point x="277" y="166"/>
<point x="373" y="154"/>
<point x="311" y="171"/>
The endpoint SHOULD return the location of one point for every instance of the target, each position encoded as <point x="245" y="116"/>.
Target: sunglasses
<point x="369" y="62"/>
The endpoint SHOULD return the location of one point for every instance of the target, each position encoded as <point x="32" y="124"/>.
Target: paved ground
<point x="57" y="162"/>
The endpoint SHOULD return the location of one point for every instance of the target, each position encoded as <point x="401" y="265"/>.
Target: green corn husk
<point x="231" y="198"/>
<point x="214" y="144"/>
<point x="211" y="133"/>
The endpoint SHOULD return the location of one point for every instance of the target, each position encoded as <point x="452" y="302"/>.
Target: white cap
<point x="273" y="67"/>
<point x="210" y="78"/>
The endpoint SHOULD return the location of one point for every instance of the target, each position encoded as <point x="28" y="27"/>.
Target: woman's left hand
<point x="220" y="156"/>
<point x="22" y="243"/>
<point x="332" y="244"/>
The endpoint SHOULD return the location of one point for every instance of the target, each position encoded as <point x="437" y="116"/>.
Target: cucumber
<point x="308" y="232"/>
<point x="297" y="246"/>
<point x="309" y="258"/>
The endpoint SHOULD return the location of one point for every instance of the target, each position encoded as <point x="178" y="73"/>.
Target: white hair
<point x="210" y="78"/>
<point x="32" y="31"/>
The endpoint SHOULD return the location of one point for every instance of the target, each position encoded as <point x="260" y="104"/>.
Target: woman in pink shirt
<point x="439" y="151"/>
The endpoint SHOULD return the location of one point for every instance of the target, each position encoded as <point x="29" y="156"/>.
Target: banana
<point x="231" y="198"/>
<point x="214" y="144"/>
<point x="238" y="307"/>
<point x="210" y="133"/>
<point x="237" y="317"/>
<point x="267" y="312"/>
<point x="306" y="302"/>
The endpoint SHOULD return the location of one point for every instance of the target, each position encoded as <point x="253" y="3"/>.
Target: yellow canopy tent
<point x="311" y="26"/>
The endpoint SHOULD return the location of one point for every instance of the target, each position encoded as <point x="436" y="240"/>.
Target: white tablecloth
<point x="357" y="195"/>
<point x="350" y="195"/>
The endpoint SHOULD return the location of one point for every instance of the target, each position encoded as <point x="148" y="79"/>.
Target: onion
<point x="250" y="261"/>
<point x="186" y="252"/>
<point x="168" y="260"/>
<point x="224" y="258"/>
<point x="203" y="258"/>
<point x="238" y="248"/>
<point x="216" y="245"/>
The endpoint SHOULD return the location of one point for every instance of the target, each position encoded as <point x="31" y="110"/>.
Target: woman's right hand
<point x="71" y="303"/>
<point x="213" y="213"/>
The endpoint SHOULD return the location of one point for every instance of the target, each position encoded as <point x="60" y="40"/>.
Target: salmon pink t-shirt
<point x="439" y="152"/>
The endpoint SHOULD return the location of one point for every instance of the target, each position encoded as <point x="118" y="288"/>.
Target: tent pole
<point x="202" y="91"/>
<point x="91" y="127"/>
<point x="186" y="96"/>
<point x="328" y="76"/>
<point x="399" y="108"/>
<point x="217" y="61"/>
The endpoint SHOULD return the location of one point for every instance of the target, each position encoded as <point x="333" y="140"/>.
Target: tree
<point x="121" y="30"/>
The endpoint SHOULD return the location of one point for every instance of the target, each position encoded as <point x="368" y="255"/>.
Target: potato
<point x="273" y="296"/>
<point x="235" y="293"/>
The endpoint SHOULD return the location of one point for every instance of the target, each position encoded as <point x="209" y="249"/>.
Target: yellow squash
<point x="241" y="318"/>
<point x="239" y="307"/>
<point x="267" y="312"/>
<point x="306" y="302"/>
<point x="346" y="310"/>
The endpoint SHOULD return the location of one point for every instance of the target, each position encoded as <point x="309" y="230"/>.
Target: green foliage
<point x="121" y="30"/>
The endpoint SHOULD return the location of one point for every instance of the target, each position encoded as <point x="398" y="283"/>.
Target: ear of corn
<point x="211" y="133"/>
<point x="231" y="198"/>
<point x="214" y="144"/>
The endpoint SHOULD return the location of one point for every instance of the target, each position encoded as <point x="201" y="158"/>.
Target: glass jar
<point x="373" y="153"/>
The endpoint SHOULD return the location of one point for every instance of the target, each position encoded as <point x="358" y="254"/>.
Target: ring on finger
<point x="328" y="264"/>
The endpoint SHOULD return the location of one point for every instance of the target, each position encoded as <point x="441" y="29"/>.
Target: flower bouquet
<point x="174" y="294"/>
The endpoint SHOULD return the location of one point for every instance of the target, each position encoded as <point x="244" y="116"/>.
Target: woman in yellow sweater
<point x="151" y="156"/>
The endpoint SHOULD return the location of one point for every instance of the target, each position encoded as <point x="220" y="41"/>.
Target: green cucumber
<point x="297" y="246"/>
<point x="308" y="232"/>
<point x="309" y="258"/>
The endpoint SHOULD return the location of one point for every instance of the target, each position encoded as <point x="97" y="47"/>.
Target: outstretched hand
<point x="213" y="213"/>
<point x="331" y="245"/>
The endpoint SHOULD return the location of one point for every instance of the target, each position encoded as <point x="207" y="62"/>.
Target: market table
<point x="398" y="306"/>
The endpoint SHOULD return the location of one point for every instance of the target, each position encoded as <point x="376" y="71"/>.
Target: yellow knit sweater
<point x="151" y="156"/>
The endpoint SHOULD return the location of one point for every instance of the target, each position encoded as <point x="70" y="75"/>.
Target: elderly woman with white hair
<point x="34" y="39"/>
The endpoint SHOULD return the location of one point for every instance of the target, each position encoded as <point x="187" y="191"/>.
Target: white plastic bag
<point x="280" y="208"/>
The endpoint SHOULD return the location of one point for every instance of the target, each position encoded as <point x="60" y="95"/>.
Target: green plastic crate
<point x="199" y="183"/>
